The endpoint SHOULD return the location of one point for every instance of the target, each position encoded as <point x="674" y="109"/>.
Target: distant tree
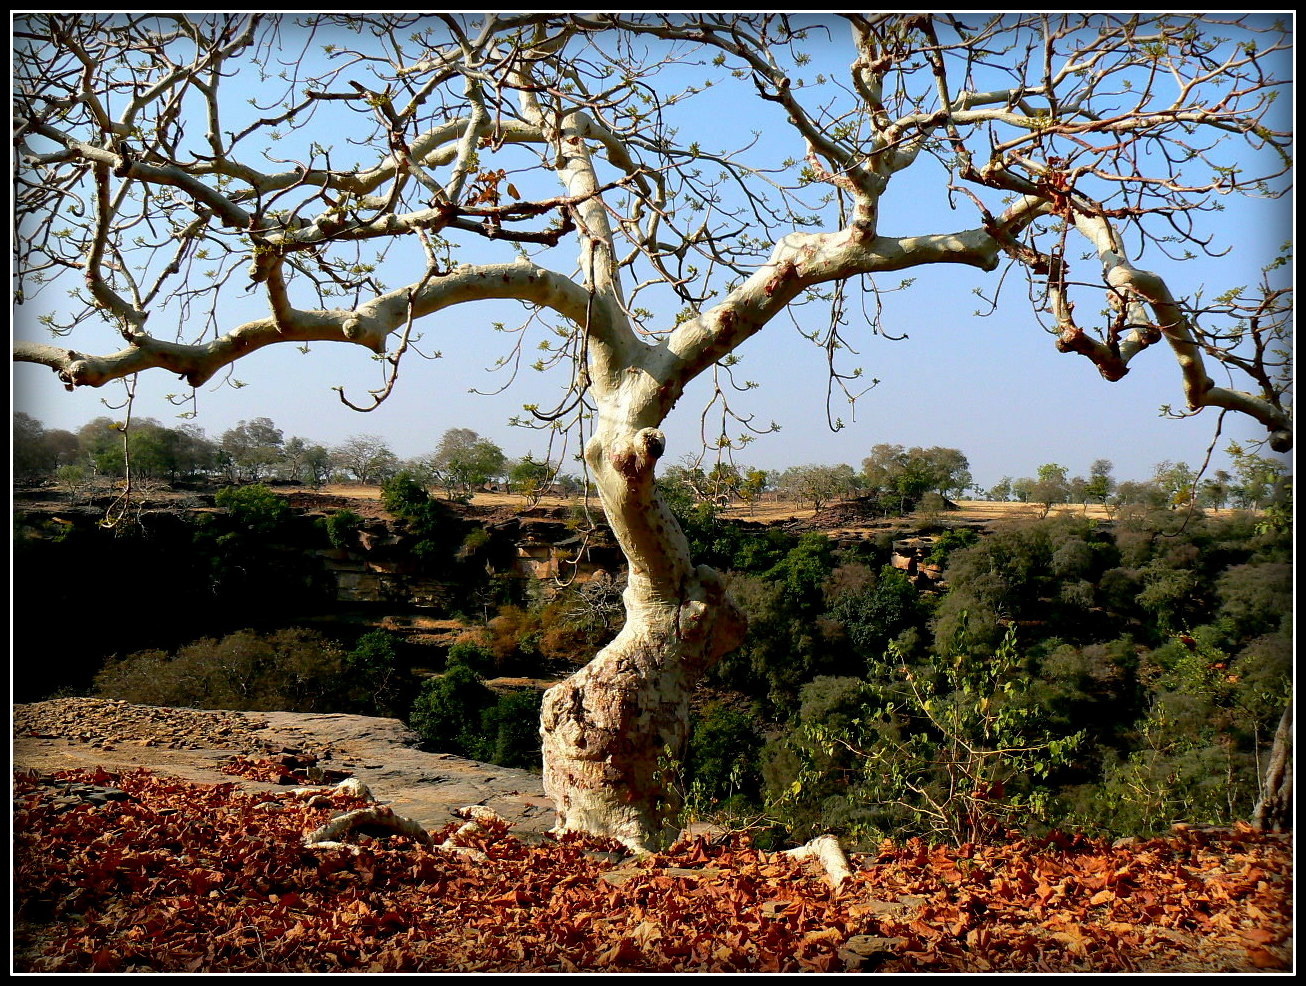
<point x="293" y="455"/>
<point x="817" y="485"/>
<point x="1177" y="482"/>
<point x="893" y="469"/>
<point x="28" y="454"/>
<point x="38" y="451"/>
<point x="1131" y="493"/>
<point x="910" y="473"/>
<point x="687" y="481"/>
<point x="1214" y="492"/>
<point x="193" y="453"/>
<point x="1257" y="478"/>
<point x="317" y="464"/>
<point x="755" y="483"/>
<point x="464" y="462"/>
<point x="153" y="450"/>
<point x="251" y="450"/>
<point x="950" y="470"/>
<point x="1001" y="491"/>
<point x="1023" y="489"/>
<point x="367" y="458"/>
<point x="723" y="483"/>
<point x="1077" y="491"/>
<point x="103" y="446"/>
<point x="1100" y="483"/>
<point x="531" y="479"/>
<point x="880" y="469"/>
<point x="1051" y="487"/>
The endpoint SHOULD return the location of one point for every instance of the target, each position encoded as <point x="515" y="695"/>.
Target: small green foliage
<point x="255" y="508"/>
<point x="342" y="528"/>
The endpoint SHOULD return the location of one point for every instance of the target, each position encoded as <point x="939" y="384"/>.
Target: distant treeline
<point x="898" y="478"/>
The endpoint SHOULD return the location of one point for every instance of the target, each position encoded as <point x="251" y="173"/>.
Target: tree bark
<point x="1273" y="812"/>
<point x="615" y="730"/>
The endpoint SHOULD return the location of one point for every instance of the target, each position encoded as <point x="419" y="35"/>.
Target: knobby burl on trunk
<point x="610" y="729"/>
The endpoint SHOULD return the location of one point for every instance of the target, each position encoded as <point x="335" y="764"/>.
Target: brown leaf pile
<point x="178" y="877"/>
<point x="284" y="769"/>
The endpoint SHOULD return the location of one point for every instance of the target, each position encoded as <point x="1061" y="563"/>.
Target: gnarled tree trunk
<point x="1273" y="812"/>
<point x="609" y="729"/>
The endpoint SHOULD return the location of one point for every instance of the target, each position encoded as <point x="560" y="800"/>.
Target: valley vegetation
<point x="1113" y="673"/>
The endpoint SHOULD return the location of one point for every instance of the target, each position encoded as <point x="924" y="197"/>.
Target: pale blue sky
<point x="994" y="387"/>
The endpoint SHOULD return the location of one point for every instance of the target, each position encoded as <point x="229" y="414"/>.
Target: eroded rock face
<point x="374" y="575"/>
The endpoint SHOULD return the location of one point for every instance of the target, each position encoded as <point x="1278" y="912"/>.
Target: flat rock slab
<point x="194" y="744"/>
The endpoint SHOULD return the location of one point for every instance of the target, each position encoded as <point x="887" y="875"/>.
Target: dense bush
<point x="447" y="712"/>
<point x="722" y="763"/>
<point x="1148" y="671"/>
<point x="456" y="713"/>
<point x="255" y="508"/>
<point x="376" y="684"/>
<point x="292" y="670"/>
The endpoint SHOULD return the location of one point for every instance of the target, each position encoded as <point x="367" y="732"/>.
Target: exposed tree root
<point x="825" y="849"/>
<point x="332" y="834"/>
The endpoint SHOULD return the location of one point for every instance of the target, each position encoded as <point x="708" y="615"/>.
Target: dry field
<point x="767" y="512"/>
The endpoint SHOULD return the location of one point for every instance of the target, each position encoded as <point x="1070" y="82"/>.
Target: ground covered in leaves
<point x="138" y="872"/>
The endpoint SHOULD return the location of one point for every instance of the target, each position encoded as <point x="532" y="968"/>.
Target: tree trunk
<point x="1273" y="811"/>
<point x="613" y="731"/>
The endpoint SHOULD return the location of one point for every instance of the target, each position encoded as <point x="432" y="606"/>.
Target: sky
<point x="994" y="387"/>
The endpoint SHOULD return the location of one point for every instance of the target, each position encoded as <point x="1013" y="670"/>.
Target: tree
<point x="475" y="146"/>
<point x="1214" y="492"/>
<point x="531" y="479"/>
<point x="464" y="462"/>
<point x="317" y="464"/>
<point x="950" y="470"/>
<point x="754" y="484"/>
<point x="911" y="473"/>
<point x="1177" y="481"/>
<point x="1258" y="479"/>
<point x="193" y="453"/>
<point x="1052" y="486"/>
<point x="38" y="452"/>
<point x="250" y="450"/>
<point x="101" y="446"/>
<point x="1001" y="491"/>
<point x="368" y="457"/>
<point x="817" y="485"/>
<point x="1100" y="482"/>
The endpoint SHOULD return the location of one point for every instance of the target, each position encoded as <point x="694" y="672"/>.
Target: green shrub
<point x="447" y="712"/>
<point x="456" y="713"/>
<point x="948" y="542"/>
<point x="511" y="730"/>
<point x="723" y="751"/>
<point x="466" y="653"/>
<point x="255" y="508"/>
<point x="374" y="676"/>
<point x="403" y="495"/>
<point x="342" y="528"/>
<point x="952" y="750"/>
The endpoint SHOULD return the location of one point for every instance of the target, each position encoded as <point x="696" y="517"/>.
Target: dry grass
<point x="769" y="511"/>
